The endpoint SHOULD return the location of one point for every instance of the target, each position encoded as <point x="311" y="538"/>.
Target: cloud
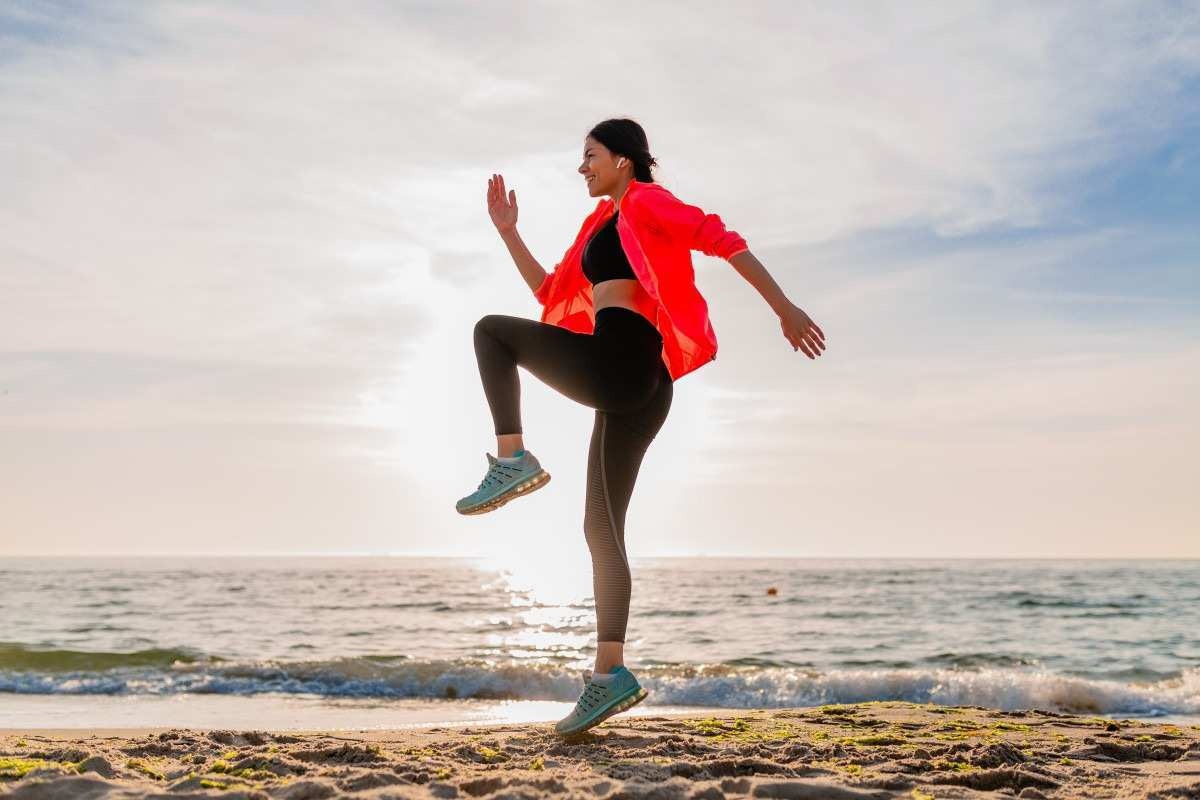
<point x="222" y="221"/>
<point x="78" y="390"/>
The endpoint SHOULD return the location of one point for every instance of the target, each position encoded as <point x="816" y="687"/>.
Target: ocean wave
<point x="732" y="685"/>
<point x="14" y="656"/>
<point x="973" y="660"/>
<point x="1026" y="599"/>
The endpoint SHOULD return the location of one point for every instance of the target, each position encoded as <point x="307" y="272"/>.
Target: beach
<point x="866" y="750"/>
<point x="323" y="677"/>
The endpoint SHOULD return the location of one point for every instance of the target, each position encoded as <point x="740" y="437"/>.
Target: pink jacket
<point x="658" y="232"/>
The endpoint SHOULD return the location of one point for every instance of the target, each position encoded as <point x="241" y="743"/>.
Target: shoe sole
<point x="624" y="705"/>
<point x="518" y="490"/>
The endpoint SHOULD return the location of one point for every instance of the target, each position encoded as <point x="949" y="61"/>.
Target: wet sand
<point x="865" y="750"/>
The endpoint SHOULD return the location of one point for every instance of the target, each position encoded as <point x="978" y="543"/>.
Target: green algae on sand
<point x="20" y="767"/>
<point x="140" y="765"/>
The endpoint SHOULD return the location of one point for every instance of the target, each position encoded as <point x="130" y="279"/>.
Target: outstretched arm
<point x="799" y="329"/>
<point x="707" y="233"/>
<point x="503" y="211"/>
<point x="750" y="268"/>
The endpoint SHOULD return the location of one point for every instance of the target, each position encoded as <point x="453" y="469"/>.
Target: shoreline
<point x="141" y="731"/>
<point x="138" y="714"/>
<point x="861" y="750"/>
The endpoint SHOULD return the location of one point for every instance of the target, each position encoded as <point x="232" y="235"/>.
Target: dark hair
<point x="626" y="138"/>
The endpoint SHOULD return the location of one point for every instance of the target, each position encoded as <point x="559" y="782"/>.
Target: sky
<point x="243" y="247"/>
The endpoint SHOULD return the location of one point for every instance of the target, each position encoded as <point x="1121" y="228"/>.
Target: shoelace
<point x="496" y="476"/>
<point x="592" y="695"/>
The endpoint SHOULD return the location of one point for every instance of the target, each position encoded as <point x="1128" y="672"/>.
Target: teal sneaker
<point x="612" y="694"/>
<point x="503" y="482"/>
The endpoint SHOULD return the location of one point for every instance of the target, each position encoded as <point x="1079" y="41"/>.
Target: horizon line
<point x="448" y="556"/>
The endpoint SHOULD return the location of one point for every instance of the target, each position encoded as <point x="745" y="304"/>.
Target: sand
<point x="867" y="750"/>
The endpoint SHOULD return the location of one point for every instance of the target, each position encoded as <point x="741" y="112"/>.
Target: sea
<point x="371" y="642"/>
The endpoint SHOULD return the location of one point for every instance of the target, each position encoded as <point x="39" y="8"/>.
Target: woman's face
<point x="599" y="168"/>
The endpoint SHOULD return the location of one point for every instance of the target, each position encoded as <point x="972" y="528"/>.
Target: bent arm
<point x="693" y="225"/>
<point x="707" y="233"/>
<point x="533" y="272"/>
<point x="750" y="268"/>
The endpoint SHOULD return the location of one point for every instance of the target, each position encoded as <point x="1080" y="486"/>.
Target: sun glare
<point x="541" y="582"/>
<point x="549" y="601"/>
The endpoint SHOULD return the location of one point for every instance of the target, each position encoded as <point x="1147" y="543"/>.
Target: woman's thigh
<point x="578" y="365"/>
<point x="647" y="419"/>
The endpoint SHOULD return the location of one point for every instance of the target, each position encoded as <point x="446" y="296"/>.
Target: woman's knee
<point x="492" y="328"/>
<point x="487" y="323"/>
<point x="500" y="326"/>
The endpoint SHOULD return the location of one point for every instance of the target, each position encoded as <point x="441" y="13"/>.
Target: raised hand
<point x="801" y="331"/>
<point x="502" y="209"/>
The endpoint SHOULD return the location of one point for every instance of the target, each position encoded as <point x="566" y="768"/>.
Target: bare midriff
<point x="626" y="293"/>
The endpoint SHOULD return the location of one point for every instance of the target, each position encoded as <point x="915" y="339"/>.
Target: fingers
<point x="806" y="341"/>
<point x="809" y="324"/>
<point x="495" y="189"/>
<point x="815" y="343"/>
<point x="496" y="193"/>
<point x="812" y="336"/>
<point x="797" y="343"/>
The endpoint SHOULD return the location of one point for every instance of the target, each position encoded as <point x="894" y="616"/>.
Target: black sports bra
<point x="603" y="258"/>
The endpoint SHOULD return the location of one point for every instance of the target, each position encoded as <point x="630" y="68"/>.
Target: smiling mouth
<point x="591" y="180"/>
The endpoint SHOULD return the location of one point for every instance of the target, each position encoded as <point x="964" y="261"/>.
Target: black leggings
<point x="617" y="370"/>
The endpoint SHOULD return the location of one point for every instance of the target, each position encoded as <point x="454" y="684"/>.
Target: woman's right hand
<point x="502" y="209"/>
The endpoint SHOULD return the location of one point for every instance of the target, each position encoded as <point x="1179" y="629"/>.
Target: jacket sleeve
<point x="542" y="293"/>
<point x="702" y="231"/>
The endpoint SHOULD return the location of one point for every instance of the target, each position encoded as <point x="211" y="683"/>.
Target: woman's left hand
<point x="801" y="331"/>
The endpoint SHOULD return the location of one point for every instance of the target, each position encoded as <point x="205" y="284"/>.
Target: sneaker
<point x="611" y="694"/>
<point x="504" y="480"/>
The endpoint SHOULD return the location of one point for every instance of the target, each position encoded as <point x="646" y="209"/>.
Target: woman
<point x="622" y="320"/>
